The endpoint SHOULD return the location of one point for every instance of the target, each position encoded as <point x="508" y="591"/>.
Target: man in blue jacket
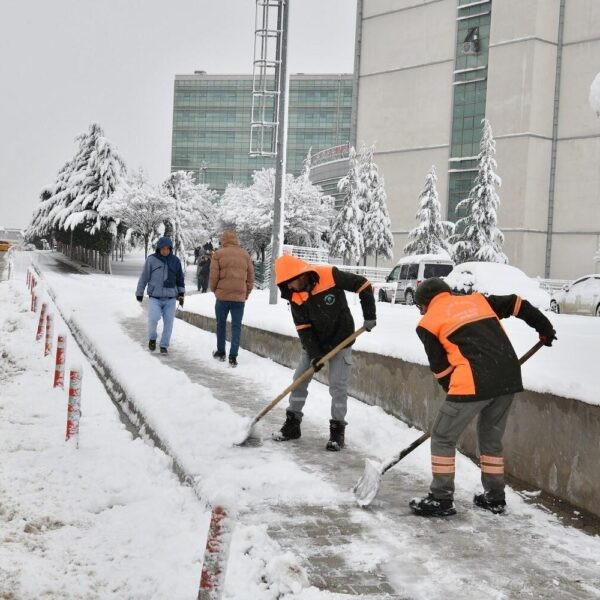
<point x="164" y="277"/>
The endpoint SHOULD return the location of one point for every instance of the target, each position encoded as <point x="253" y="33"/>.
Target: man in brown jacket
<point x="231" y="279"/>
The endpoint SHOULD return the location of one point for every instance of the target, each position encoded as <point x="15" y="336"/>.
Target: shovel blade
<point x="367" y="486"/>
<point x="250" y="435"/>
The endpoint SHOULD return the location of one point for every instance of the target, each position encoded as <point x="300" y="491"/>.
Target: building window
<point x="470" y="87"/>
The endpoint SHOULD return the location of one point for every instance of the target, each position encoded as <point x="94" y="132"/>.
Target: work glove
<point x="548" y="337"/>
<point x="180" y="299"/>
<point x="139" y="298"/>
<point x="369" y="324"/>
<point x="314" y="364"/>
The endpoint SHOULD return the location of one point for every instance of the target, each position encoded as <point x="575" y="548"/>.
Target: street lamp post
<point x="280" y="167"/>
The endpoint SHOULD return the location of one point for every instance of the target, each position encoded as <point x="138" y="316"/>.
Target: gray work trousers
<point x="339" y="374"/>
<point x="450" y="422"/>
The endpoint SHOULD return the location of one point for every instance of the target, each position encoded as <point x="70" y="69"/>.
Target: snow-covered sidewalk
<point x="300" y="494"/>
<point x="80" y="523"/>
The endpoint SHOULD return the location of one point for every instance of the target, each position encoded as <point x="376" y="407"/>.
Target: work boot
<point x="232" y="361"/>
<point x="497" y="507"/>
<point x="290" y="429"/>
<point x="219" y="355"/>
<point x="336" y="435"/>
<point x="432" y="507"/>
<point x="152" y="345"/>
<point x="163" y="350"/>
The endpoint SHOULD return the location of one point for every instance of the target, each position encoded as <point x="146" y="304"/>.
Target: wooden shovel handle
<point x="427" y="435"/>
<point x="307" y="373"/>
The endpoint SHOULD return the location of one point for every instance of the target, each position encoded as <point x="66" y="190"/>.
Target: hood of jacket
<point x="163" y="242"/>
<point x="289" y="267"/>
<point x="229" y="238"/>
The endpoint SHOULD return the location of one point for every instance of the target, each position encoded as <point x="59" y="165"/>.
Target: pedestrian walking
<point x="202" y="272"/>
<point x="316" y="294"/>
<point x="164" y="279"/>
<point x="473" y="360"/>
<point x="231" y="279"/>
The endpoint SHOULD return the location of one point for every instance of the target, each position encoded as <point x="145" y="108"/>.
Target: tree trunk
<point x="146" y="240"/>
<point x="376" y="257"/>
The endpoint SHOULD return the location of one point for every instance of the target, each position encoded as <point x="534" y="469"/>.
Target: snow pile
<point x="271" y="574"/>
<point x="595" y="95"/>
<point x="498" y="279"/>
<point x="81" y="523"/>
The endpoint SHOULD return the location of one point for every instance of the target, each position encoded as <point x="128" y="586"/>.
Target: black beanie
<point x="429" y="289"/>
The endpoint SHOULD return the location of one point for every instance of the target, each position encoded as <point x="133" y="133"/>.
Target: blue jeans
<point x="165" y="308"/>
<point x="222" y="309"/>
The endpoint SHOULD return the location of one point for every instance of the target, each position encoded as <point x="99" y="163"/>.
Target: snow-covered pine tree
<point x="308" y="212"/>
<point x="346" y="235"/>
<point x="249" y="212"/>
<point x="139" y="206"/>
<point x="376" y="225"/>
<point x="60" y="196"/>
<point x="478" y="237"/>
<point x="40" y="226"/>
<point x="431" y="235"/>
<point x="97" y="171"/>
<point x="194" y="211"/>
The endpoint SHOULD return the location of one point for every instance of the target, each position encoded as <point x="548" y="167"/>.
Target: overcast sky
<point x="65" y="63"/>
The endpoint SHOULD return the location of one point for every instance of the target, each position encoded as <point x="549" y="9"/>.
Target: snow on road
<point x="299" y="494"/>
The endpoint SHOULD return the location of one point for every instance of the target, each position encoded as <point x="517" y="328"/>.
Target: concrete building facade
<point x="211" y="124"/>
<point x="430" y="70"/>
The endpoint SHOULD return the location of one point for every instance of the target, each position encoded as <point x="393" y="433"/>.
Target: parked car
<point x="4" y="245"/>
<point x="581" y="297"/>
<point x="408" y="273"/>
<point x="494" y="278"/>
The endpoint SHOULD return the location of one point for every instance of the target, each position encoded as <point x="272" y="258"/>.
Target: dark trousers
<point x="222" y="309"/>
<point x="202" y="283"/>
<point x="451" y="421"/>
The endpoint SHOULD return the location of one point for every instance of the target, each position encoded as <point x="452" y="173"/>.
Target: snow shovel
<point x="367" y="486"/>
<point x="290" y="388"/>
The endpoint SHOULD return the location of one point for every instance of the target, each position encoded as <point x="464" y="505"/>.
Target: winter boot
<point x="336" y="435"/>
<point x="219" y="355"/>
<point x="232" y="361"/>
<point x="290" y="429"/>
<point x="431" y="507"/>
<point x="163" y="350"/>
<point x="497" y="507"/>
<point x="152" y="345"/>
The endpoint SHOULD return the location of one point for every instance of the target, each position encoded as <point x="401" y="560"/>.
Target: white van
<point x="408" y="274"/>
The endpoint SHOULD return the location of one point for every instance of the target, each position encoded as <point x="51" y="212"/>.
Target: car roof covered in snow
<point x="415" y="258"/>
<point x="499" y="279"/>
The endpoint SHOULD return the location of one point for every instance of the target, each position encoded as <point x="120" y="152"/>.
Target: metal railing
<point x="317" y="256"/>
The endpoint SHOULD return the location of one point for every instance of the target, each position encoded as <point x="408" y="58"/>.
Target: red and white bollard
<point x="214" y="566"/>
<point x="38" y="335"/>
<point x="49" y="333"/>
<point x="59" y="369"/>
<point x="74" y="408"/>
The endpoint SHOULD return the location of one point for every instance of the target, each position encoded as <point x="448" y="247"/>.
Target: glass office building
<point x="211" y="124"/>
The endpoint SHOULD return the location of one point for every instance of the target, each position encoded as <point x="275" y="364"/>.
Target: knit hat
<point x="429" y="289"/>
